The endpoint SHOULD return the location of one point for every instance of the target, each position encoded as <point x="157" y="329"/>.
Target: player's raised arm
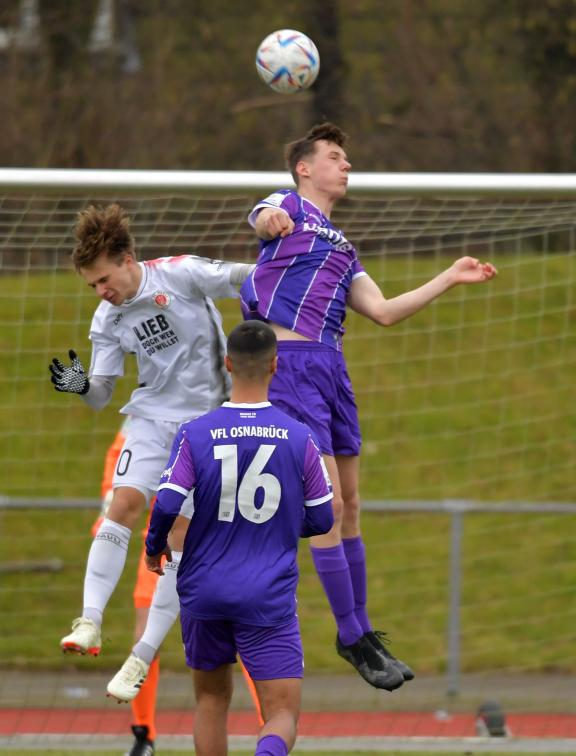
<point x="272" y="222"/>
<point x="366" y="299"/>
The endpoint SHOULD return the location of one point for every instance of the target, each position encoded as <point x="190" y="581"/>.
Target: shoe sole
<point x="119" y="700"/>
<point x="74" y="648"/>
<point x="389" y="688"/>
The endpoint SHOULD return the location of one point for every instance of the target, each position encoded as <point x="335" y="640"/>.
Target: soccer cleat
<point x="379" y="640"/>
<point x="85" y="638"/>
<point x="126" y="683"/>
<point x="490" y="721"/>
<point x="373" y="666"/>
<point x="142" y="745"/>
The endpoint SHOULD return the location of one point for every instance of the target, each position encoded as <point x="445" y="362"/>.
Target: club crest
<point x="161" y="299"/>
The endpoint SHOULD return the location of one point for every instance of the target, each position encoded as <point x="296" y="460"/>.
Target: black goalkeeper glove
<point x="73" y="378"/>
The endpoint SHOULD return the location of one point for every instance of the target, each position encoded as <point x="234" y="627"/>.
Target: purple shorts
<point x="268" y="653"/>
<point x="313" y="386"/>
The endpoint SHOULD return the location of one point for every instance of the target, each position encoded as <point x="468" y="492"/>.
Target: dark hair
<point x="102" y="230"/>
<point x="296" y="151"/>
<point x="251" y="346"/>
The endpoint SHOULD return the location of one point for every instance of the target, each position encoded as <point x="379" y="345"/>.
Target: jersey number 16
<point x="253" y="479"/>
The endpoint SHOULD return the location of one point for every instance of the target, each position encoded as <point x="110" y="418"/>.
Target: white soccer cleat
<point x="85" y="638"/>
<point x="126" y="683"/>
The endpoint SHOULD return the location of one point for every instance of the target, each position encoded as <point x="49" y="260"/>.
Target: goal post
<point x="470" y="400"/>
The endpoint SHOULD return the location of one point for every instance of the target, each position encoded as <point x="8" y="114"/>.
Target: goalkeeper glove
<point x="72" y="378"/>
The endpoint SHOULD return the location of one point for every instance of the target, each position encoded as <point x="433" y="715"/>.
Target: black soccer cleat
<point x="490" y="721"/>
<point x="379" y="640"/>
<point x="142" y="746"/>
<point x="373" y="666"/>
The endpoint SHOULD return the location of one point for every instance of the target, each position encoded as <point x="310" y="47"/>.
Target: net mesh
<point x="469" y="400"/>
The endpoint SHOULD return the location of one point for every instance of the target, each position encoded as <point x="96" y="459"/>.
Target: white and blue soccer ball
<point x="287" y="61"/>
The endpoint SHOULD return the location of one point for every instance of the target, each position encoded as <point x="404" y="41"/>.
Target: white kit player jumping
<point x="162" y="311"/>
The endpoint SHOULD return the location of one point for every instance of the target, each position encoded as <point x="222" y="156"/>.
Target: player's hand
<point x="278" y="223"/>
<point x="154" y="563"/>
<point x="69" y="378"/>
<point x="468" y="270"/>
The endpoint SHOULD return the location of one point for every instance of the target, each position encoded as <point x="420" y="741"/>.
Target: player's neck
<point x="248" y="393"/>
<point x="136" y="281"/>
<point x="323" y="202"/>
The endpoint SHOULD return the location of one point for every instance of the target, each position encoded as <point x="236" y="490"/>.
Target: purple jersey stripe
<point x="302" y="281"/>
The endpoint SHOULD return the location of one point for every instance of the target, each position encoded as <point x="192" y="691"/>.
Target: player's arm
<point x="106" y="364"/>
<point x="214" y="278"/>
<point x="366" y="298"/>
<point x="176" y="483"/>
<point x="318" y="513"/>
<point x="272" y="222"/>
<point x="100" y="391"/>
<point x="239" y="272"/>
<point x="73" y="379"/>
<point x="318" y="519"/>
<point x="166" y="510"/>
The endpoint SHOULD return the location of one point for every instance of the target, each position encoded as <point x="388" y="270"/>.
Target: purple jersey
<point x="259" y="484"/>
<point x="302" y="281"/>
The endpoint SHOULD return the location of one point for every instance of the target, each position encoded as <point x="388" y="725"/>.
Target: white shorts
<point x="144" y="457"/>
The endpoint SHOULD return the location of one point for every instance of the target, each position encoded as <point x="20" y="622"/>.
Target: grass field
<point x="472" y="399"/>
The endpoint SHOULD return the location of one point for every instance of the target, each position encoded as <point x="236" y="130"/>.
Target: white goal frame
<point x="416" y="184"/>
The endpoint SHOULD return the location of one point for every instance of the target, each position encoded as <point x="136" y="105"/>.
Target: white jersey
<point x="175" y="331"/>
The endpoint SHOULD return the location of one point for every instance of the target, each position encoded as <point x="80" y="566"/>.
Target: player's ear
<point x="127" y="259"/>
<point x="274" y="365"/>
<point x="227" y="363"/>
<point x="302" y="169"/>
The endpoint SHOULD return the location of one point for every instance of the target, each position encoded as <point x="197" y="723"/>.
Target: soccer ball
<point x="287" y="61"/>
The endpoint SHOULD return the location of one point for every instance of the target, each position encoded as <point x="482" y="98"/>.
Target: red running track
<point x="324" y="724"/>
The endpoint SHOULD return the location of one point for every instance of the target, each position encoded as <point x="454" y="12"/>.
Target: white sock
<point x="163" y="612"/>
<point x="106" y="561"/>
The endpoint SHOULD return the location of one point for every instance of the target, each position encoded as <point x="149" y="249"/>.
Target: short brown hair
<point x="102" y="230"/>
<point x="301" y="148"/>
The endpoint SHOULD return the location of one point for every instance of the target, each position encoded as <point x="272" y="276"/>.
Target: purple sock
<point x="356" y="558"/>
<point x="271" y="745"/>
<point x="334" y="574"/>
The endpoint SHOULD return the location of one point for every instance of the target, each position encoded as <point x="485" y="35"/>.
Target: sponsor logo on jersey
<point x="331" y="235"/>
<point x="155" y="334"/>
<point x="275" y="199"/>
<point x="161" y="299"/>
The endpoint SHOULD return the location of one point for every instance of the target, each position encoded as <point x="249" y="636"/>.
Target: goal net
<point x="467" y="466"/>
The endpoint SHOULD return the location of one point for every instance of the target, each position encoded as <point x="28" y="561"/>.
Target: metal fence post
<point x="456" y="509"/>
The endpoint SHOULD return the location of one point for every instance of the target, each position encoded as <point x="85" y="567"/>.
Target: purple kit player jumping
<point x="307" y="273"/>
<point x="259" y="484"/>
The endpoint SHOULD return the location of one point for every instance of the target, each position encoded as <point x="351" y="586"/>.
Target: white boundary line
<point x="39" y="742"/>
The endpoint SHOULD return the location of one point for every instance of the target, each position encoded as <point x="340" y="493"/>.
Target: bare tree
<point x="323" y="22"/>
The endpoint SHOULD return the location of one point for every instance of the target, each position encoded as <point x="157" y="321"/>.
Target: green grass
<point x="471" y="399"/>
